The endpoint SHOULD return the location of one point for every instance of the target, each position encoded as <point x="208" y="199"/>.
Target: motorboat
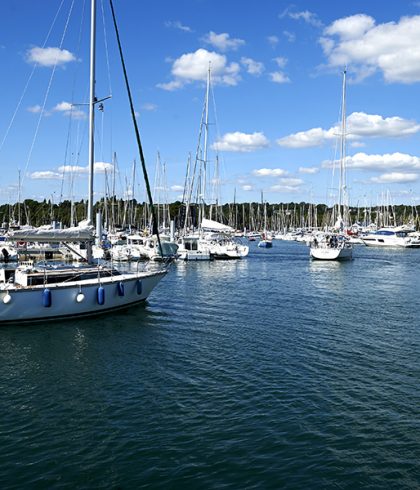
<point x="391" y="237"/>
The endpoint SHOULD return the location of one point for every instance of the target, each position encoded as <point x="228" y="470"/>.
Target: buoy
<point x="7" y="299"/>
<point x="46" y="298"/>
<point x="139" y="287"/>
<point x="120" y="288"/>
<point x="101" y="295"/>
<point x="80" y="297"/>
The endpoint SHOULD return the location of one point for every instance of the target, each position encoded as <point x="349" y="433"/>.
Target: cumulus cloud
<point x="395" y="178"/>
<point x="269" y="172"/>
<point x="247" y="187"/>
<point x="177" y="188"/>
<point x="359" y="125"/>
<point x="241" y="142"/>
<point x="98" y="168"/>
<point x="308" y="170"/>
<point x="376" y="162"/>
<point x="283" y="188"/>
<point x="305" y="15"/>
<point x="35" y="109"/>
<point x="177" y="25"/>
<point x="252" y="67"/>
<point x="290" y="36"/>
<point x="291" y="182"/>
<point x="223" y="41"/>
<point x="193" y="67"/>
<point x="279" y="76"/>
<point x="69" y="110"/>
<point x="45" y="175"/>
<point x="148" y="107"/>
<point x="392" y="48"/>
<point x="273" y="41"/>
<point x="49" y="56"/>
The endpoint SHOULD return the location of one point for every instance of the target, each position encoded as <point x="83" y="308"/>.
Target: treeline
<point x="119" y="213"/>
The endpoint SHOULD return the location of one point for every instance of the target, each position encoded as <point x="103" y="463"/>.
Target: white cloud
<point x="193" y="67"/>
<point x="223" y="41"/>
<point x="49" y="56"/>
<point x="359" y="125"/>
<point x="392" y="48"/>
<point x="394" y="178"/>
<point x="279" y="77"/>
<point x="178" y="25"/>
<point x="306" y="139"/>
<point x="281" y="61"/>
<point x="283" y="188"/>
<point x="290" y="36"/>
<point x="148" y="107"/>
<point x="376" y="162"/>
<point x="45" y="175"/>
<point x="177" y="188"/>
<point x="269" y="172"/>
<point x="308" y="170"/>
<point x="247" y="187"/>
<point x="35" y="109"/>
<point x="252" y="67"/>
<point x="98" y="167"/>
<point x="102" y="167"/>
<point x="305" y="15"/>
<point x="69" y="110"/>
<point x="75" y="169"/>
<point x="241" y="142"/>
<point x="291" y="182"/>
<point x="273" y="40"/>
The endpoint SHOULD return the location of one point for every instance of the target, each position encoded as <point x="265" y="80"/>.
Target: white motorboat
<point x="391" y="237"/>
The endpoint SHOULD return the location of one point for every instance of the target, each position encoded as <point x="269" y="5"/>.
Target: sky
<point x="275" y="102"/>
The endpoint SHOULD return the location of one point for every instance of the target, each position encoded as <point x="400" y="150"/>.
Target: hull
<point x="26" y="304"/>
<point x="326" y="253"/>
<point x="389" y="244"/>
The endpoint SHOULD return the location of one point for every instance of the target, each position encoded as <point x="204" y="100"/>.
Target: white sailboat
<point x="213" y="239"/>
<point x="336" y="246"/>
<point x="32" y="293"/>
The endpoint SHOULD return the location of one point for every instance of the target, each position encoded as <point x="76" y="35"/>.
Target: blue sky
<point x="276" y="79"/>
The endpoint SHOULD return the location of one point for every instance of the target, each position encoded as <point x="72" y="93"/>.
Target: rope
<point x="155" y="230"/>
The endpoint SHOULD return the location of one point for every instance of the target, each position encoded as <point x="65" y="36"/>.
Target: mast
<point x="92" y="101"/>
<point x="342" y="151"/>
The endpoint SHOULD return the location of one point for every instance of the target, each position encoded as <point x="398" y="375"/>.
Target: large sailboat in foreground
<point x="31" y="293"/>
<point x="335" y="245"/>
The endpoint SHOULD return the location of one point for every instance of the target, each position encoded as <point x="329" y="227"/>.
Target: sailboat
<point x="336" y="245"/>
<point x="40" y="292"/>
<point x="213" y="240"/>
<point x="266" y="241"/>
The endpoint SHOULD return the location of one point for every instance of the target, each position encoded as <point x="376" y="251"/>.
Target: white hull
<point x="194" y="255"/>
<point x="25" y="304"/>
<point x="402" y="243"/>
<point x="330" y="253"/>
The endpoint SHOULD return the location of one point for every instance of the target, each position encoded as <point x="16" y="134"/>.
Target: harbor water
<point x="269" y="372"/>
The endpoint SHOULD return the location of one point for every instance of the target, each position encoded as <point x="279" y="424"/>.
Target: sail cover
<point x="74" y="234"/>
<point x="208" y="224"/>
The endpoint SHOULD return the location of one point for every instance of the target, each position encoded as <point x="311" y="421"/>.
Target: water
<point x="270" y="372"/>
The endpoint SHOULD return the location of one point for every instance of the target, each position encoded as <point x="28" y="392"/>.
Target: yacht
<point x="391" y="237"/>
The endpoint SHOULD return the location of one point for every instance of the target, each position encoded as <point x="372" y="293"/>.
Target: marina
<point x="249" y="375"/>
<point x="208" y="297"/>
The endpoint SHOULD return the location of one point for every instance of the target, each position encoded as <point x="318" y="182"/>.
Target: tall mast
<point x="92" y="100"/>
<point x="342" y="150"/>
